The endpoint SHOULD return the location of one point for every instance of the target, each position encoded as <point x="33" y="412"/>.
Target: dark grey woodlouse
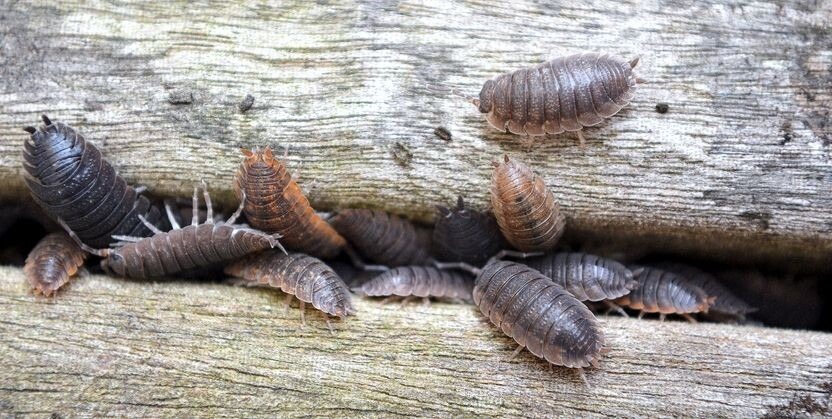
<point x="587" y="277"/>
<point x="725" y="303"/>
<point x="565" y="94"/>
<point x="665" y="293"/>
<point x="419" y="281"/>
<point x="52" y="263"/>
<point x="465" y="235"/>
<point x="70" y="180"/>
<point x="299" y="275"/>
<point x="183" y="248"/>
<point x="383" y="238"/>
<point x="525" y="209"/>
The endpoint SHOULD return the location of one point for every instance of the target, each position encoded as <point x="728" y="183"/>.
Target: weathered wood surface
<point x="738" y="169"/>
<point x="110" y="347"/>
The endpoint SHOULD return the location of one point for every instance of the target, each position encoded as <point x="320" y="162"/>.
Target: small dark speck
<point x="56" y="415"/>
<point x="442" y="133"/>
<point x="762" y="218"/>
<point x="247" y="103"/>
<point x="91" y="105"/>
<point x="401" y="154"/>
<point x="662" y="107"/>
<point x="786" y="139"/>
<point x="180" y="97"/>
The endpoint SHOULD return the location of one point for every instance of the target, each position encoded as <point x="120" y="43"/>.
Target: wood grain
<point x="109" y="347"/>
<point x="738" y="169"/>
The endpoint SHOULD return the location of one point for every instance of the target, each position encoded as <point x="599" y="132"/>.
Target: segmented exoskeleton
<point x="183" y="248"/>
<point x="70" y="180"/>
<point x="665" y="293"/>
<point x="419" y="281"/>
<point x="525" y="208"/>
<point x="587" y="277"/>
<point x="564" y="94"/>
<point x="725" y="303"/>
<point x="465" y="235"/>
<point x="276" y="204"/>
<point x="52" y="263"/>
<point x="383" y="238"/>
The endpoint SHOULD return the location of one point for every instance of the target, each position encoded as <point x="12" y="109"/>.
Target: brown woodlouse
<point x="465" y="235"/>
<point x="418" y="281"/>
<point x="726" y="302"/>
<point x="383" y="238"/>
<point x="525" y="208"/>
<point x="183" y="248"/>
<point x="274" y="203"/>
<point x="665" y="293"/>
<point x="299" y="275"/>
<point x="564" y="94"/>
<point x="70" y="180"/>
<point x="52" y="262"/>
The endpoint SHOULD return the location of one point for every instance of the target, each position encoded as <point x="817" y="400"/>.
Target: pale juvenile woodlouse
<point x="183" y="248"/>
<point x="298" y="275"/>
<point x="526" y="210"/>
<point x="70" y="180"/>
<point x="725" y="303"/>
<point x="383" y="238"/>
<point x="564" y="94"/>
<point x="665" y="293"/>
<point x="465" y="235"/>
<point x="52" y="263"/>
<point x="274" y="203"/>
<point x="537" y="313"/>
<point x="418" y="281"/>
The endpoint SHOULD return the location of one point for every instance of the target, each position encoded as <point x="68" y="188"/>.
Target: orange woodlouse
<point x="183" y="248"/>
<point x="726" y="302"/>
<point x="274" y="203"/>
<point x="564" y="94"/>
<point x="465" y="235"/>
<point x="383" y="238"/>
<point x="299" y="275"/>
<point x="70" y="180"/>
<point x="418" y="281"/>
<point x="525" y="208"/>
<point x="665" y="293"/>
<point x="52" y="263"/>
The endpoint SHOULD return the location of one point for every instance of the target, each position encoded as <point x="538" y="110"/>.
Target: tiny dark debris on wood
<point x="442" y="133"/>
<point x="401" y="154"/>
<point x="247" y="103"/>
<point x="662" y="107"/>
<point x="762" y="218"/>
<point x="787" y="132"/>
<point x="180" y="97"/>
<point x="805" y="405"/>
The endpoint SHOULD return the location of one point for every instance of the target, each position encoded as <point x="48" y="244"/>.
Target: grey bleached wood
<point x="110" y="347"/>
<point x="739" y="169"/>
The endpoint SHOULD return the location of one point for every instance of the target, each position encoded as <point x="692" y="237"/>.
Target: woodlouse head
<point x="114" y="263"/>
<point x="484" y="104"/>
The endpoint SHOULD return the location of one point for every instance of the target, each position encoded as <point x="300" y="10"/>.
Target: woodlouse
<point x="525" y="208"/>
<point x="299" y="275"/>
<point x="274" y="203"/>
<point x="465" y="235"/>
<point x="52" y="262"/>
<point x="665" y="293"/>
<point x="442" y="133"/>
<point x="564" y="94"/>
<point x="70" y="180"/>
<point x="725" y="303"/>
<point x="383" y="238"/>
<point x="418" y="281"/>
<point x="184" y="248"/>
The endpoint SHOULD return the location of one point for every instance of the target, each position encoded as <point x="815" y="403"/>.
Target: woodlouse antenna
<point x="239" y="209"/>
<point x="173" y="223"/>
<point x="30" y="130"/>
<point x="460" y="204"/>
<point x="149" y="225"/>
<point x="195" y="207"/>
<point x="98" y="252"/>
<point x="209" y="218"/>
<point x="458" y="265"/>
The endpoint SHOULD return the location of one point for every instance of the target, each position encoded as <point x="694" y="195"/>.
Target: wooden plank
<point x="110" y="347"/>
<point x="739" y="169"/>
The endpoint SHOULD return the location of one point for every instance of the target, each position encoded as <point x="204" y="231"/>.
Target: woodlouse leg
<point x="527" y="141"/>
<point x="98" y="252"/>
<point x="616" y="308"/>
<point x="582" y="141"/>
<point x="689" y="318"/>
<point x="389" y="299"/>
<point x="195" y="212"/>
<point x="302" y="314"/>
<point x="240" y="210"/>
<point x="288" y="303"/>
<point x="425" y="302"/>
<point x="640" y="314"/>
<point x="582" y="376"/>
<point x="406" y="300"/>
<point x="209" y="218"/>
<point x="150" y="226"/>
<point x="329" y="325"/>
<point x="173" y="223"/>
<point x="457" y="265"/>
<point x="662" y="316"/>
<point x="516" y="352"/>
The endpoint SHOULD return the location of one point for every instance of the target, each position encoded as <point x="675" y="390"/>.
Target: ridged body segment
<point x="52" y="262"/>
<point x="274" y="203"/>
<point x="525" y="208"/>
<point x="305" y="277"/>
<point x="419" y="281"/>
<point x="70" y="180"/>
<point x="664" y="292"/>
<point x="587" y="277"/>
<point x="564" y="94"/>
<point x="383" y="238"/>
<point x="539" y="314"/>
<point x="726" y="302"/>
<point x="465" y="235"/>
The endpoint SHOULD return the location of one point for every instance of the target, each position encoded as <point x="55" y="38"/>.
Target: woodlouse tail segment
<point x="46" y="120"/>
<point x="30" y="130"/>
<point x="634" y="61"/>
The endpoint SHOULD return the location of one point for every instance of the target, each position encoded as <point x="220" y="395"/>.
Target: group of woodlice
<point x="542" y="300"/>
